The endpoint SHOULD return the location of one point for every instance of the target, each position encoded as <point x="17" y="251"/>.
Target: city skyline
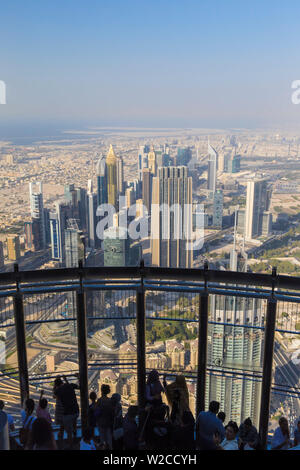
<point x="150" y="207"/>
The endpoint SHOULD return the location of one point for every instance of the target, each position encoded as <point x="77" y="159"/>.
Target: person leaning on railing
<point x="67" y="396"/>
<point x="42" y="409"/>
<point x="59" y="409"/>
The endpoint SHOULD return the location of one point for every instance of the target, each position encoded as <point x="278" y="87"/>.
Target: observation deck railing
<point x="185" y="296"/>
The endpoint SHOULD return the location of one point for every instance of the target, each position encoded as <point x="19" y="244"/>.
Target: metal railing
<point x="189" y="292"/>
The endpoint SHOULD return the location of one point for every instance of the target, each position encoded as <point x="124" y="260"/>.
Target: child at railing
<point x="87" y="442"/>
<point x="92" y="421"/>
<point x="42" y="409"/>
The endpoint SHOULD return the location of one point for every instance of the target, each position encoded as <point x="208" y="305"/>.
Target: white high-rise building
<point x="120" y="175"/>
<point x="212" y="169"/>
<point x="91" y="215"/>
<point x="142" y="160"/>
<point x="171" y="221"/>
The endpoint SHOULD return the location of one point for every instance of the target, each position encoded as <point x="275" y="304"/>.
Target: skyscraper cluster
<point x="162" y="180"/>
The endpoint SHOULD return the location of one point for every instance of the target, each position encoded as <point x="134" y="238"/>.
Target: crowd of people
<point x="158" y="426"/>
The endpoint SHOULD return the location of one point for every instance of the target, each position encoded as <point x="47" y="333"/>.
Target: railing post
<point x="21" y="341"/>
<point x="202" y="347"/>
<point x="82" y="352"/>
<point x="141" y="338"/>
<point x="267" y="366"/>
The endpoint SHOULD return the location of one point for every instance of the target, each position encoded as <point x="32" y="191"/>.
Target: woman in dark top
<point x="92" y="422"/>
<point x="105" y="416"/>
<point x="154" y="389"/>
<point x="118" y="430"/>
<point x="158" y="429"/>
<point x="42" y="435"/>
<point x="131" y="436"/>
<point x="178" y="398"/>
<point x="59" y="409"/>
<point x="183" y="433"/>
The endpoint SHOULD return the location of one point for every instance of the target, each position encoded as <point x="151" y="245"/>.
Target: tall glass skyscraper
<point x="56" y="245"/>
<point x="91" y="216"/>
<point x="37" y="210"/>
<point x="120" y="176"/>
<point x="58" y="224"/>
<point x="101" y="181"/>
<point x="218" y="208"/>
<point x="232" y="349"/>
<point x="142" y="160"/>
<point x="73" y="252"/>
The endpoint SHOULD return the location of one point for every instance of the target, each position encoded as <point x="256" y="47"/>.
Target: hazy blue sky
<point x="159" y="63"/>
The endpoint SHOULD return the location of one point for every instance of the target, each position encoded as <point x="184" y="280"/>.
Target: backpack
<point x="25" y="431"/>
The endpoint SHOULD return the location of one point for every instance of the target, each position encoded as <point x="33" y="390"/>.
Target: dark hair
<point x="176" y="394"/>
<point x="105" y="389"/>
<point x="187" y="418"/>
<point x="233" y="425"/>
<point x="159" y="412"/>
<point x="115" y="398"/>
<point x="132" y="411"/>
<point x="58" y="381"/>
<point x="214" y="406"/>
<point x="248" y="422"/>
<point x="282" y="420"/>
<point x="43" y="403"/>
<point x="93" y="396"/>
<point x="222" y="416"/>
<point x="153" y="377"/>
<point x="42" y="433"/>
<point x="87" y="434"/>
<point x="2" y="404"/>
<point x="29" y="405"/>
